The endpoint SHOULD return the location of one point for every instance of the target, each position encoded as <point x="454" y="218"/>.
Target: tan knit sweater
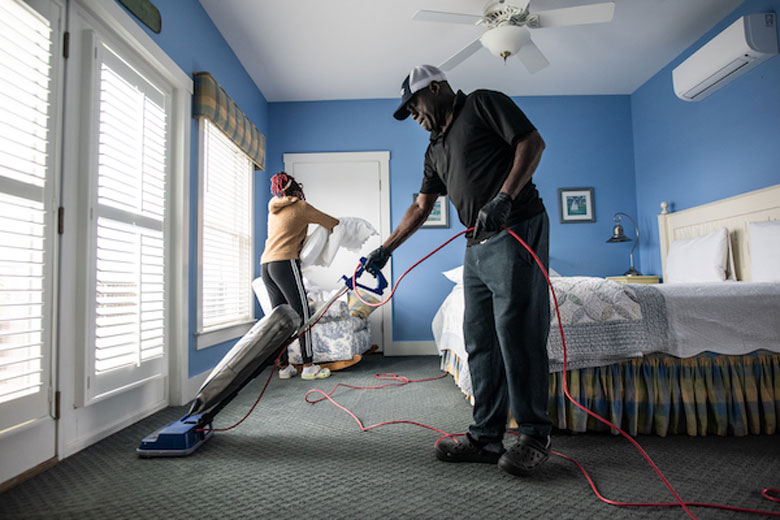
<point x="288" y="220"/>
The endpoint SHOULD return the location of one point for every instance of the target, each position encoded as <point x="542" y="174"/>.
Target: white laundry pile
<point x="320" y="247"/>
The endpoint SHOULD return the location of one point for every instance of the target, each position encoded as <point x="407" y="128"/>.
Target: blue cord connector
<point x="381" y="281"/>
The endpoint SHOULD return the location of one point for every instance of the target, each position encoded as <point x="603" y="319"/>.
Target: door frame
<point x="382" y="158"/>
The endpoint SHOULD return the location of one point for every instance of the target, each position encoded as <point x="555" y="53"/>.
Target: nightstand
<point x="634" y="279"/>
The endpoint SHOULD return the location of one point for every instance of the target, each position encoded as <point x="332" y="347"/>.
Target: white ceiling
<point x="308" y="50"/>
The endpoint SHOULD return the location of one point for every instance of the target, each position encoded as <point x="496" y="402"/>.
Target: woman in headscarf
<point x="289" y="216"/>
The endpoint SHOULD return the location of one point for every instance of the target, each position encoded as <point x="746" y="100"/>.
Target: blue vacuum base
<point x="177" y="439"/>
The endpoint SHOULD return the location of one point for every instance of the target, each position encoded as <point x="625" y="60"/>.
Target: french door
<point x="92" y="136"/>
<point x="30" y="93"/>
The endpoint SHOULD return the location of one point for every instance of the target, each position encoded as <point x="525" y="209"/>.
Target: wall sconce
<point x="619" y="236"/>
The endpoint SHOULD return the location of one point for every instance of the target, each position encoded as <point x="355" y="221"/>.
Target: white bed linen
<point x="447" y="324"/>
<point x="321" y="246"/>
<point x="727" y="318"/>
<point x="731" y="318"/>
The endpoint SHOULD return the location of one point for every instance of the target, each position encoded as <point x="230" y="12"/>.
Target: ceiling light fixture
<point x="505" y="40"/>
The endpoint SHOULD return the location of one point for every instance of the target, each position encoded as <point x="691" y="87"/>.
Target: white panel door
<point x="348" y="185"/>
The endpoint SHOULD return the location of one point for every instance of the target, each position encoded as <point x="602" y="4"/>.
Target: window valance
<point x="211" y="101"/>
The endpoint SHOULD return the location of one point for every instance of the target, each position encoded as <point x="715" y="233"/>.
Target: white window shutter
<point x="226" y="232"/>
<point x="129" y="305"/>
<point x="26" y="215"/>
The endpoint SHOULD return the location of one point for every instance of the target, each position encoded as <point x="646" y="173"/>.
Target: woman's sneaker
<point x="314" y="372"/>
<point x="287" y="372"/>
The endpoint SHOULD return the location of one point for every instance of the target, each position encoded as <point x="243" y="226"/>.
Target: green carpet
<point x="298" y="460"/>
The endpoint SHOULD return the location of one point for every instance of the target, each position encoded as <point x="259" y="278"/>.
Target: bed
<point x="680" y="357"/>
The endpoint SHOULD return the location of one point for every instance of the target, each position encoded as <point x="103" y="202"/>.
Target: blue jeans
<point x="506" y="323"/>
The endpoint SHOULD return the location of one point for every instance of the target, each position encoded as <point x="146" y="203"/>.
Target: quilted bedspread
<point x="604" y="321"/>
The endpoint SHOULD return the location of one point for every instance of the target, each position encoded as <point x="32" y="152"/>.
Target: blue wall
<point x="635" y="151"/>
<point x="589" y="143"/>
<point x="192" y="40"/>
<point x="691" y="153"/>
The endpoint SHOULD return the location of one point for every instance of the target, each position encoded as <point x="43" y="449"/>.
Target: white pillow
<point x="699" y="259"/>
<point x="454" y="275"/>
<point x="765" y="250"/>
<point x="313" y="245"/>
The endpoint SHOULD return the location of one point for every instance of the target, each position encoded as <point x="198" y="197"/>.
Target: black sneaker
<point x="526" y="456"/>
<point x="467" y="450"/>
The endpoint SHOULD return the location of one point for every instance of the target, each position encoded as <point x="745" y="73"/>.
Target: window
<point x="128" y="220"/>
<point x="26" y="212"/>
<point x="225" y="242"/>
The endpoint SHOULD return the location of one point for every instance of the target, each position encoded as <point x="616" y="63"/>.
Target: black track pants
<point x="284" y="282"/>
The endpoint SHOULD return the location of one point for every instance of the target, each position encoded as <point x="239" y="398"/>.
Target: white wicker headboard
<point x="734" y="213"/>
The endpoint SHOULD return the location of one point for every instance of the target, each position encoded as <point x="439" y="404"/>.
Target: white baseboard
<point x="16" y="452"/>
<point x="86" y="441"/>
<point x="189" y="390"/>
<point x="412" y="348"/>
<point x="191" y="387"/>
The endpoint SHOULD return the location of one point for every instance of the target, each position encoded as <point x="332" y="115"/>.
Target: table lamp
<point x="619" y="236"/>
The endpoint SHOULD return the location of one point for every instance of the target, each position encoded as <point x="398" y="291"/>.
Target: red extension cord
<point x="401" y="381"/>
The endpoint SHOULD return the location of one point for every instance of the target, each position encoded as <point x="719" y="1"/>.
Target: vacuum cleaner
<point x="255" y="351"/>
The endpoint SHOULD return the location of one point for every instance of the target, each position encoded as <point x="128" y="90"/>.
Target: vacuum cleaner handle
<point x="381" y="281"/>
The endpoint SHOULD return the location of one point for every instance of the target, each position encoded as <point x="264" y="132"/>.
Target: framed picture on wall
<point x="576" y="205"/>
<point x="440" y="216"/>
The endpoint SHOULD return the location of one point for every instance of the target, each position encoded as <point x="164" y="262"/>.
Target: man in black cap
<point x="483" y="152"/>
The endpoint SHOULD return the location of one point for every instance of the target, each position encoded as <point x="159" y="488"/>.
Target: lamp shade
<point x="618" y="235"/>
<point x="505" y="40"/>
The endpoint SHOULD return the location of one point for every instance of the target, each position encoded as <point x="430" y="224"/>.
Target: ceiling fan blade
<point x="532" y="57"/>
<point x="457" y="58"/>
<point x="444" y="17"/>
<point x="580" y="15"/>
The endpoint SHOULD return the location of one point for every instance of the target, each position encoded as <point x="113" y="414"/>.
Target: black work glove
<point x="377" y="259"/>
<point x="492" y="216"/>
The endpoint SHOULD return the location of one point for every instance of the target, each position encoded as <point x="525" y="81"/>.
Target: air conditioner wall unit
<point x="746" y="43"/>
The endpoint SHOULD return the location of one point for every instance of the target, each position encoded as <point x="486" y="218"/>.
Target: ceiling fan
<point x="508" y="27"/>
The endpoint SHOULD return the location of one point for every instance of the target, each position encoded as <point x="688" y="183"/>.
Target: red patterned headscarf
<point x="283" y="184"/>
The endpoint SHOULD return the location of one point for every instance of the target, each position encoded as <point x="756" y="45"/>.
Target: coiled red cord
<point x="765" y="493"/>
<point x="401" y="381"/>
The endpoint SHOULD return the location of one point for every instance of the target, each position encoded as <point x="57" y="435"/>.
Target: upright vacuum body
<point x="255" y="351"/>
<point x="248" y="357"/>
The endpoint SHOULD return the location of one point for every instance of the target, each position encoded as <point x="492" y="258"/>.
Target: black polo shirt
<point x="471" y="160"/>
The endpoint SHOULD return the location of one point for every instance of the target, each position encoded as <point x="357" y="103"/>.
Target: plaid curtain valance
<point x="211" y="101"/>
